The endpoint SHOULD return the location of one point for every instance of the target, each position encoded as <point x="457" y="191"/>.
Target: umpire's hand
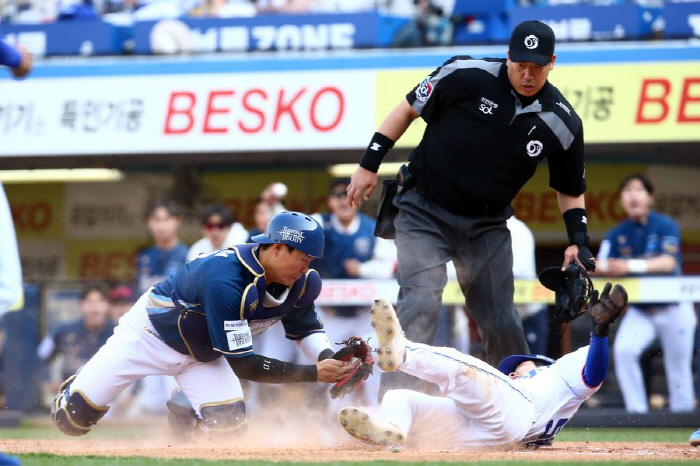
<point x="362" y="179"/>
<point x="580" y="254"/>
<point x="334" y="370"/>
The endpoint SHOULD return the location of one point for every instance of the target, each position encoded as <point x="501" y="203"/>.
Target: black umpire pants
<point x="427" y="237"/>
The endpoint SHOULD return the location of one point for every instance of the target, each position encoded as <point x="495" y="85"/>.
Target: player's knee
<point x="223" y="417"/>
<point x="73" y="413"/>
<point x="626" y="350"/>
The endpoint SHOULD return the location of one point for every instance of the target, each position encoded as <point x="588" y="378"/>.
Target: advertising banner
<point x="186" y="113"/>
<point x="591" y="22"/>
<point x="681" y="19"/>
<point x="262" y="32"/>
<point x="617" y="103"/>
<point x="69" y="38"/>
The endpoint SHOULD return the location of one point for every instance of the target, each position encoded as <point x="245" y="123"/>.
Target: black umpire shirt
<point x="481" y="146"/>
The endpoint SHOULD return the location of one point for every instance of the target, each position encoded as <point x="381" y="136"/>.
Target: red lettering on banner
<point x="602" y="206"/>
<point x="247" y="105"/>
<point x="109" y="266"/>
<point x="686" y="98"/>
<point x="175" y="110"/>
<point x="339" y="114"/>
<point x="549" y="209"/>
<point x="657" y="100"/>
<point x="212" y="110"/>
<point x="524" y="206"/>
<point x="288" y="107"/>
<point x="34" y="216"/>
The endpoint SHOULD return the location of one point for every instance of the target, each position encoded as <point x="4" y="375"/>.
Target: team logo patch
<point x="486" y="106"/>
<point x="531" y="42"/>
<point x="424" y="90"/>
<point x="237" y="334"/>
<point x="534" y="148"/>
<point x="289" y="234"/>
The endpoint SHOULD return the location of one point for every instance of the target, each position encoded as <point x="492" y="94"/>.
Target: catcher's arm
<point x="260" y="368"/>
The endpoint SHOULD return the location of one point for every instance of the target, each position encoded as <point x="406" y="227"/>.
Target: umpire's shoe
<point x="391" y="352"/>
<point x="360" y="424"/>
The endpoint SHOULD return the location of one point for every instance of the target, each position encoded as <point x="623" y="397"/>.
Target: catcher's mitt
<point x="355" y="347"/>
<point x="572" y="288"/>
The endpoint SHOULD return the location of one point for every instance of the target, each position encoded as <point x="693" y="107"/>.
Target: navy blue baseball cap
<point x="510" y="363"/>
<point x="296" y="230"/>
<point x="533" y="42"/>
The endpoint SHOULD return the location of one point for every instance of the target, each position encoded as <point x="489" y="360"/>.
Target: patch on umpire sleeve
<point x="238" y="334"/>
<point x="424" y="89"/>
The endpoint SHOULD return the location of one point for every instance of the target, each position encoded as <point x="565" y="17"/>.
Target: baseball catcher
<point x="355" y="347"/>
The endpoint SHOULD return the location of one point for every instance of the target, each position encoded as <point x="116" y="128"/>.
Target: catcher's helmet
<point x="573" y="289"/>
<point x="296" y="230"/>
<point x="509" y="363"/>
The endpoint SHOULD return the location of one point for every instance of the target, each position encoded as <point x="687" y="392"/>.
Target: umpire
<point x="490" y="122"/>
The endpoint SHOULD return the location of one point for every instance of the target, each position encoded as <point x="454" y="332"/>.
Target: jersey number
<point x="547" y="434"/>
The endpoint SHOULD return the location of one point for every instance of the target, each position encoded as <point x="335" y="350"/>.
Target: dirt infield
<point x="288" y="437"/>
<point x="351" y="450"/>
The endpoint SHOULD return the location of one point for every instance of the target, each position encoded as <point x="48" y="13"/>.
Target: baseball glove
<point x="355" y="347"/>
<point x="610" y="305"/>
<point x="572" y="288"/>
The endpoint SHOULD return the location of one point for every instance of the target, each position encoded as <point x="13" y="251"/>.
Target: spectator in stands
<point x="274" y="195"/>
<point x="79" y="340"/>
<point x="643" y="244"/>
<point x="155" y="264"/>
<point x="261" y="217"/>
<point x="351" y="251"/>
<point x="76" y="10"/>
<point x="220" y="231"/>
<point x="430" y="22"/>
<point x="158" y="262"/>
<point x="121" y="298"/>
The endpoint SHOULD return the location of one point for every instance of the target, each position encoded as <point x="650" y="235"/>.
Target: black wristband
<point x="326" y="354"/>
<point x="260" y="368"/>
<point x="576" y="221"/>
<point x="378" y="147"/>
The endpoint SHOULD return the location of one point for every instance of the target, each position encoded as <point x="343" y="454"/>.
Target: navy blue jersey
<point x="216" y="302"/>
<point x="76" y="343"/>
<point x="341" y="246"/>
<point x="154" y="265"/>
<point x="634" y="240"/>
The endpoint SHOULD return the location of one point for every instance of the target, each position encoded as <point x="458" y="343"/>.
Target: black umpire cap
<point x="533" y="42"/>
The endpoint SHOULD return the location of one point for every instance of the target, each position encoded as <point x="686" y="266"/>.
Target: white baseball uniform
<point x="482" y="406"/>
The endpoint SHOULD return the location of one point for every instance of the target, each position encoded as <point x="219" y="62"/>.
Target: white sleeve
<point x="383" y="261"/>
<point x="570" y="368"/>
<point x="313" y="345"/>
<point x="236" y="235"/>
<point x="523" y="260"/>
<point x="523" y="249"/>
<point x="10" y="266"/>
<point x="202" y="245"/>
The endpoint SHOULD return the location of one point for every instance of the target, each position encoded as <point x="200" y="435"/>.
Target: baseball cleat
<point x="360" y="424"/>
<point x="695" y="438"/>
<point x="391" y="351"/>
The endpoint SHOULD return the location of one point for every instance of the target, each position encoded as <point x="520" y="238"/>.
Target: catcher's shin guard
<point x="182" y="419"/>
<point x="74" y="413"/>
<point x="224" y="417"/>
